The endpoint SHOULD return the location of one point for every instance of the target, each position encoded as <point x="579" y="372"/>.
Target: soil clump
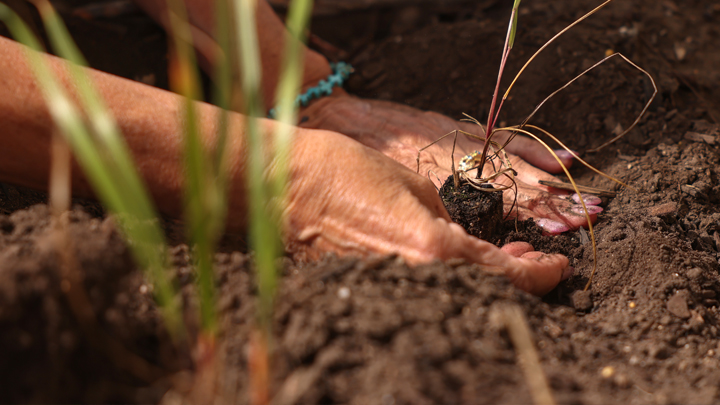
<point x="479" y="212"/>
<point x="378" y="331"/>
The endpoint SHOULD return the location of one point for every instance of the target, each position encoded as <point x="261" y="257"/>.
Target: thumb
<point x="534" y="272"/>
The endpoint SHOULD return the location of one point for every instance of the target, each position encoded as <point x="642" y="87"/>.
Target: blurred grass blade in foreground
<point x="101" y="151"/>
<point x="267" y="194"/>
<point x="264" y="235"/>
<point x="205" y="174"/>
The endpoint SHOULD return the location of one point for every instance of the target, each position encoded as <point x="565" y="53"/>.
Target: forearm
<point x="149" y="118"/>
<point x="271" y="37"/>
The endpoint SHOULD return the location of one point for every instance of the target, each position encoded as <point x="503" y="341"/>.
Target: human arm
<point x="343" y="196"/>
<point x="396" y="130"/>
<point x="272" y="36"/>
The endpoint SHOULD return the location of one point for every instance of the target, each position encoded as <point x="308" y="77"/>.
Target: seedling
<point x="97" y="143"/>
<point x="493" y="152"/>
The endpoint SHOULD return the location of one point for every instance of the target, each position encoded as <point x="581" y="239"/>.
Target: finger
<point x="427" y="195"/>
<point x="517" y="249"/>
<point x="538" y="273"/>
<point x="531" y="176"/>
<point x="527" y="181"/>
<point x="533" y="272"/>
<point x="552" y="227"/>
<point x="535" y="153"/>
<point x="588" y="198"/>
<point x="555" y="219"/>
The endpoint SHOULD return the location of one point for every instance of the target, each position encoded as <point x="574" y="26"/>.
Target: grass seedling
<point x="491" y="150"/>
<point x="96" y="141"/>
<point x="98" y="146"/>
<point x="267" y="190"/>
<point x="492" y="114"/>
<point x="265" y="238"/>
<point x="205" y="174"/>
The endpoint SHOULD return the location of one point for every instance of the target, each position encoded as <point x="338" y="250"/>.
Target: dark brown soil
<point x="376" y="331"/>
<point x="479" y="212"/>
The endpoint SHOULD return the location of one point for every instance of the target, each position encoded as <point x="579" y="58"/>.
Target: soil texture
<point x="479" y="212"/>
<point x="376" y="330"/>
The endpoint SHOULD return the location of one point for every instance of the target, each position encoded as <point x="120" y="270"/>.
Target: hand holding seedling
<point x="350" y="199"/>
<point x="399" y="131"/>
<point x="344" y="197"/>
<point x="395" y="130"/>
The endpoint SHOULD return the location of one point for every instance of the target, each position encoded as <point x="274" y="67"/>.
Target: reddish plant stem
<point x="492" y="115"/>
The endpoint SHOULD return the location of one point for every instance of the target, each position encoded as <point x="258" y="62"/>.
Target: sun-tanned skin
<point x="396" y="130"/>
<point x="345" y="195"/>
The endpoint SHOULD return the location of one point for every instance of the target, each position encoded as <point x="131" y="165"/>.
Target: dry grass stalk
<point x="520" y="335"/>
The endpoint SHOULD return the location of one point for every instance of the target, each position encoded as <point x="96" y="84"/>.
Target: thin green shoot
<point x="101" y="152"/>
<point x="513" y="23"/>
<point x="290" y="81"/>
<point x="265" y="237"/>
<point x="267" y="188"/>
<point x="205" y="178"/>
<point x="224" y="87"/>
<point x="492" y="114"/>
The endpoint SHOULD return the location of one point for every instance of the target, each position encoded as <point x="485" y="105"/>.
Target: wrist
<point x="328" y="86"/>
<point x="316" y="68"/>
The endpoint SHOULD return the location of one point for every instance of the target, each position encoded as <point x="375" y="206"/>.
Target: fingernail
<point x="589" y="199"/>
<point x="563" y="154"/>
<point x="567" y="273"/>
<point x="552" y="227"/>
<point x="591" y="209"/>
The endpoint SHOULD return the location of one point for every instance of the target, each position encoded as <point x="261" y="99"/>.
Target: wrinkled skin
<point x="350" y="199"/>
<point x="399" y="132"/>
<point x="371" y="204"/>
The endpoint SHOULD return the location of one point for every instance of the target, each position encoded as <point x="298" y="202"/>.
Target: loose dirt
<point x="479" y="212"/>
<point x="377" y="331"/>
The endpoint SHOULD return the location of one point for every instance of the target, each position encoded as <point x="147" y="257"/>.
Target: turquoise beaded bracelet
<point x="340" y="72"/>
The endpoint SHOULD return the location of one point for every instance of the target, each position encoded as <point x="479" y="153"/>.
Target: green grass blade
<point x="290" y="81"/>
<point x="205" y="196"/>
<point x="101" y="152"/>
<point x="266" y="196"/>
<point x="265" y="237"/>
<point x="223" y="80"/>
<point x="514" y="23"/>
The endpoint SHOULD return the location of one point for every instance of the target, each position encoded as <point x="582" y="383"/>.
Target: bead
<point x="340" y="72"/>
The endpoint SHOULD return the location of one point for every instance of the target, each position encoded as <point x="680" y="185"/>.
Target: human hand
<point x="350" y="199"/>
<point x="399" y="131"/>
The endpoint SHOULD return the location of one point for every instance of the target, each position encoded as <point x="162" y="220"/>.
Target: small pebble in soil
<point x="694" y="273"/>
<point x="581" y="300"/>
<point x="621" y="381"/>
<point x="343" y="293"/>
<point x="388" y="399"/>
<point x="607" y="372"/>
<point x="677" y="305"/>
